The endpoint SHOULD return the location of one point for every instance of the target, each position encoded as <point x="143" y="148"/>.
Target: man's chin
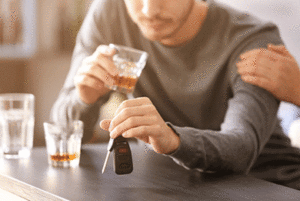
<point x="154" y="37"/>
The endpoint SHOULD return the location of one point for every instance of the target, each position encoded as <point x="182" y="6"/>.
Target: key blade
<point x="109" y="149"/>
<point x="110" y="144"/>
<point x="105" y="162"/>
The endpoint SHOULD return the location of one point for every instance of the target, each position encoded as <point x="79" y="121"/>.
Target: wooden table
<point x="155" y="177"/>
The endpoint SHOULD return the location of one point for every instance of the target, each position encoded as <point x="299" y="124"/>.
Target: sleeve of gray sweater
<point x="249" y="122"/>
<point x="248" y="125"/>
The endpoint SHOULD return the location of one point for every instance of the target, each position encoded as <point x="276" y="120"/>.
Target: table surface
<point x="154" y="177"/>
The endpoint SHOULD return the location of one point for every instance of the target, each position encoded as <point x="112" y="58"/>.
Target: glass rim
<point x="127" y="48"/>
<point x="78" y="125"/>
<point x="16" y="96"/>
<point x="54" y="123"/>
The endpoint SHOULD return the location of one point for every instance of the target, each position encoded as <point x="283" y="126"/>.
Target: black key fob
<point x="122" y="156"/>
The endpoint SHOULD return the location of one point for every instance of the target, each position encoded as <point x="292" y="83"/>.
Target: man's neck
<point x="191" y="27"/>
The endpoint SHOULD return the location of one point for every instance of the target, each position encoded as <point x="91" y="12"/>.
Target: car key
<point x="122" y="156"/>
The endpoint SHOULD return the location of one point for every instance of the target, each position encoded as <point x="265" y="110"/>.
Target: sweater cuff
<point x="185" y="153"/>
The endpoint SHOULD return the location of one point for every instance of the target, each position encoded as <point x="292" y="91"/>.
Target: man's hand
<point x="139" y="118"/>
<point x="95" y="72"/>
<point x="273" y="69"/>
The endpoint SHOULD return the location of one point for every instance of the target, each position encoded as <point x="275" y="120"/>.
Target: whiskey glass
<point x="63" y="143"/>
<point x="129" y="62"/>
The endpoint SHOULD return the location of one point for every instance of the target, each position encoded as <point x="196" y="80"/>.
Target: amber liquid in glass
<point x="64" y="157"/>
<point x="125" y="82"/>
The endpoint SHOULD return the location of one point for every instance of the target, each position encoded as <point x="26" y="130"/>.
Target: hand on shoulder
<point x="273" y="69"/>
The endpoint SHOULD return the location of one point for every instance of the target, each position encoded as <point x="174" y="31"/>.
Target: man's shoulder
<point x="236" y="25"/>
<point x="235" y="16"/>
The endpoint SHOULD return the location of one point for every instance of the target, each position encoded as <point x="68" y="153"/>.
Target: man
<point x="190" y="103"/>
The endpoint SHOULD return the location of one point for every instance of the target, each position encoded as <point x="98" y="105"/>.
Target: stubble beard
<point x="182" y="22"/>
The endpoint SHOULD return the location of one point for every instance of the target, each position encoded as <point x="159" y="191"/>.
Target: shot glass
<point x="63" y="143"/>
<point x="129" y="62"/>
<point x="16" y="124"/>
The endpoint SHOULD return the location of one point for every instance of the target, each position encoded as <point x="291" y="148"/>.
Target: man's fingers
<point x="128" y="114"/>
<point x="140" y="132"/>
<point x="247" y="67"/>
<point x="104" y="124"/>
<point x="130" y="123"/>
<point x="103" y="57"/>
<point x="97" y="72"/>
<point x="252" y="53"/>
<point x="258" y="54"/>
<point x="133" y="103"/>
<point x="262" y="82"/>
<point x="105" y="50"/>
<point x="89" y="81"/>
<point x="280" y="49"/>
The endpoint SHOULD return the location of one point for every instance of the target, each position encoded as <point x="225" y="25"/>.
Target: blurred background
<point x="37" y="38"/>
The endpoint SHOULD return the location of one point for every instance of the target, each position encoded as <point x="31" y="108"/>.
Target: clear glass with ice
<point x="16" y="124"/>
<point x="64" y="143"/>
<point x="129" y="62"/>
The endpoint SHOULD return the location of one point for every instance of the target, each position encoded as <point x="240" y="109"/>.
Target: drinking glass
<point x="129" y="62"/>
<point x="63" y="143"/>
<point x="16" y="124"/>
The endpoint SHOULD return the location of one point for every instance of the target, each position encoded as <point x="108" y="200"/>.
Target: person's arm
<point x="273" y="69"/>
<point x="248" y="125"/>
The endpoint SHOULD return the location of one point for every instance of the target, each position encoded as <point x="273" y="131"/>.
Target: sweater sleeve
<point x="248" y="125"/>
<point x="249" y="122"/>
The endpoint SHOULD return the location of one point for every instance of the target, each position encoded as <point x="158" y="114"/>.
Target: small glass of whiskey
<point x="64" y="143"/>
<point x="130" y="62"/>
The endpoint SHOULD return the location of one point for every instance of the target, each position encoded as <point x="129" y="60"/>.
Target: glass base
<point x="23" y="153"/>
<point x="64" y="164"/>
<point x="121" y="89"/>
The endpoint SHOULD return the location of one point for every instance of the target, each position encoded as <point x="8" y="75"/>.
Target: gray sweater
<point x="223" y="123"/>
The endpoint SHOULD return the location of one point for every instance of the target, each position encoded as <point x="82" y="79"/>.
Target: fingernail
<point x="113" y="47"/>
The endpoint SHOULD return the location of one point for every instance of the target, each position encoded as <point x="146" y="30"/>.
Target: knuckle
<point x="143" y="130"/>
<point x="125" y="104"/>
<point x="131" y="122"/>
<point x="88" y="68"/>
<point x="86" y="60"/>
<point x="147" y="100"/>
<point x="125" y="112"/>
<point x="78" y="79"/>
<point x="117" y="130"/>
<point x="100" y="48"/>
<point x="262" y="50"/>
<point x="151" y="108"/>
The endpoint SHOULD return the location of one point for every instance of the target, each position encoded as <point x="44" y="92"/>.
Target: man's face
<point x="159" y="19"/>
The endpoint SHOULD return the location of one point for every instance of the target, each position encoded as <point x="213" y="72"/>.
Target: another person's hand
<point x="273" y="69"/>
<point x="95" y="72"/>
<point x="139" y="118"/>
